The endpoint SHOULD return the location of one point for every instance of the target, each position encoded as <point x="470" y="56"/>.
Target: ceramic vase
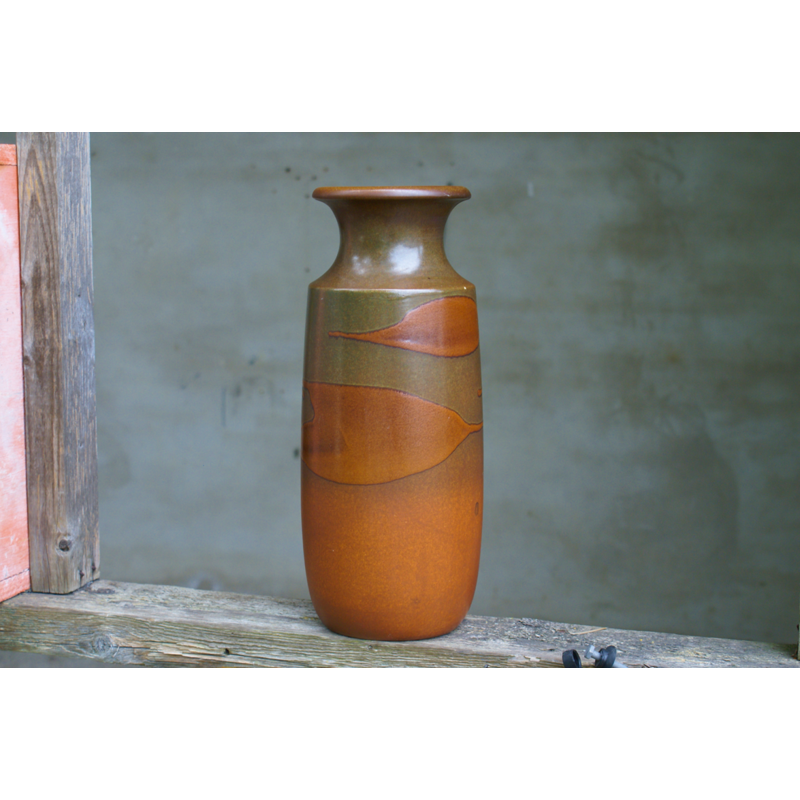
<point x="392" y="429"/>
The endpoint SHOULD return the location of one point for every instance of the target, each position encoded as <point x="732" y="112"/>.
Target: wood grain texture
<point x="14" y="557"/>
<point x="58" y="359"/>
<point x="171" y="626"/>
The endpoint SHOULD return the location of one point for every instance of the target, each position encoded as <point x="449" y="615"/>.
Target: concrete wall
<point x="638" y="301"/>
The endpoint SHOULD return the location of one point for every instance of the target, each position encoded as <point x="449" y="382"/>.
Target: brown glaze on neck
<point x="391" y="237"/>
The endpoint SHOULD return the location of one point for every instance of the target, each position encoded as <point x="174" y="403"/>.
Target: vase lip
<point x="391" y="193"/>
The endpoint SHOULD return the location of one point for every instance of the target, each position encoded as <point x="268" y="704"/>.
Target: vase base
<point x="396" y="561"/>
<point x="344" y="625"/>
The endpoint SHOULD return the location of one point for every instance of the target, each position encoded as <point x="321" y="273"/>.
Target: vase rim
<point x="391" y="193"/>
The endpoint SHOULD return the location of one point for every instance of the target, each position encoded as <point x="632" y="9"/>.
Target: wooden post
<point x="14" y="561"/>
<point x="58" y="359"/>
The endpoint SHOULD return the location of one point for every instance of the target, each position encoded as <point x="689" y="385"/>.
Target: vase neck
<point x="389" y="242"/>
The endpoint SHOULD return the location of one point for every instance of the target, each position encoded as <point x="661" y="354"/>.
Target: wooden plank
<point x="15" y="574"/>
<point x="58" y="359"/>
<point x="171" y="626"/>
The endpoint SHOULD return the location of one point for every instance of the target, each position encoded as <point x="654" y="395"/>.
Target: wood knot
<point x="64" y="545"/>
<point x="103" y="646"/>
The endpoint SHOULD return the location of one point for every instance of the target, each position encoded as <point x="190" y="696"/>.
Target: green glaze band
<point x="451" y="382"/>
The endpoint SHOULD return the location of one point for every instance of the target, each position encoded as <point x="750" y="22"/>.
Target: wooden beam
<point x="15" y="574"/>
<point x="128" y="623"/>
<point x="58" y="359"/>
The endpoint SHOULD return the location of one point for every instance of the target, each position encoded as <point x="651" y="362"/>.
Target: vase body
<point x="392" y="430"/>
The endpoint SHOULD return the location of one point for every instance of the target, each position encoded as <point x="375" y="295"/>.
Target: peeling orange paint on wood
<point x="14" y="550"/>
<point x="8" y="154"/>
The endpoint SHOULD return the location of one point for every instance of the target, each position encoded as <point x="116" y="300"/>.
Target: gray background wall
<point x="638" y="303"/>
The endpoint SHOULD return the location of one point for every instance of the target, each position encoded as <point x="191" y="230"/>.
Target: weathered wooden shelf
<point x="147" y="625"/>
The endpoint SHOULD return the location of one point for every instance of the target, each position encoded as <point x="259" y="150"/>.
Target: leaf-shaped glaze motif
<point x="446" y="327"/>
<point x="368" y="435"/>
